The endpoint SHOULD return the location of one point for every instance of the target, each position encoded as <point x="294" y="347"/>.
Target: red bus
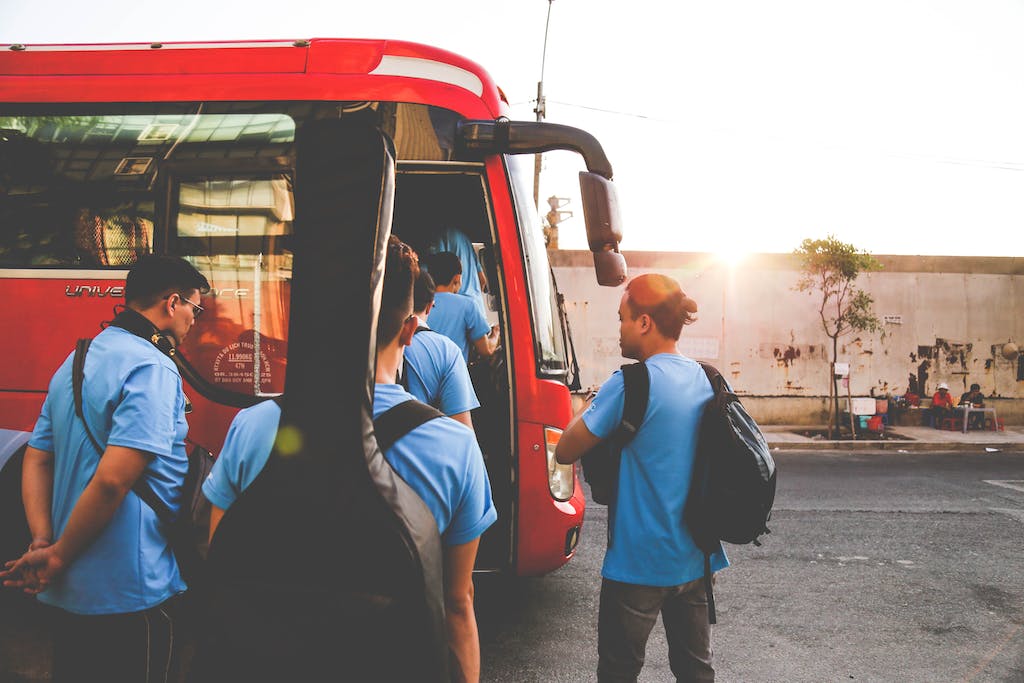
<point x="111" y="151"/>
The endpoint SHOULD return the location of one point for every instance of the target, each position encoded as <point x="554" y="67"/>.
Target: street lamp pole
<point x="540" y="109"/>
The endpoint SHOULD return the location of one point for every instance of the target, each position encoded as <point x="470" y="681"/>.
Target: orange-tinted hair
<point x="660" y="297"/>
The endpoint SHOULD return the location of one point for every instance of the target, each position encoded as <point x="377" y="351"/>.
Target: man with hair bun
<point x="652" y="564"/>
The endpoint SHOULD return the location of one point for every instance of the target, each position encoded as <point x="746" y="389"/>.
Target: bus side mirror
<point x="604" y="228"/>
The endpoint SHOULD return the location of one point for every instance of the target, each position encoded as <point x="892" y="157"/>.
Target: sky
<point x="732" y="125"/>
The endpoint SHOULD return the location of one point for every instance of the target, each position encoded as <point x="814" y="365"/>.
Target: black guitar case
<point x="329" y="567"/>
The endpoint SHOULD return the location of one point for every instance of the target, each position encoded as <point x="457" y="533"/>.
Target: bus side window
<point x="117" y="240"/>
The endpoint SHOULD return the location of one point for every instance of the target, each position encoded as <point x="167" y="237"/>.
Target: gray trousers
<point x="627" y="615"/>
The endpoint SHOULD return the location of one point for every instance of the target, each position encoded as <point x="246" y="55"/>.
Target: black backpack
<point x="188" y="531"/>
<point x="601" y="463"/>
<point x="248" y="629"/>
<point x="733" y="486"/>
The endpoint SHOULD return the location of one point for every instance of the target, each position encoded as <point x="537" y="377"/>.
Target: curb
<point x="893" y="446"/>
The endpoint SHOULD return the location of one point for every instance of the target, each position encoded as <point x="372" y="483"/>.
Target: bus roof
<point x="283" y="61"/>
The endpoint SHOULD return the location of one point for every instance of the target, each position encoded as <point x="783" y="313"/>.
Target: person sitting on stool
<point x="975" y="398"/>
<point x="942" y="404"/>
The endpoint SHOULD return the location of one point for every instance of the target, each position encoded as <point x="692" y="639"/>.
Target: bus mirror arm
<point x="530" y="137"/>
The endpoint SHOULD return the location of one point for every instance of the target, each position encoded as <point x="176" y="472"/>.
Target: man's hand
<point x="487" y="344"/>
<point x="34" y="571"/>
<point x="577" y="438"/>
<point x="39" y="543"/>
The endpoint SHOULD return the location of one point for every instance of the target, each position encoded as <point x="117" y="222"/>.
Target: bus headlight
<point x="560" y="477"/>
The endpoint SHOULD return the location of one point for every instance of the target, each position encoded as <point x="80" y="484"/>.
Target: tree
<point x="830" y="268"/>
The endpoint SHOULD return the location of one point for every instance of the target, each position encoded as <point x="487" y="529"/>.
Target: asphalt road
<point x="880" y="567"/>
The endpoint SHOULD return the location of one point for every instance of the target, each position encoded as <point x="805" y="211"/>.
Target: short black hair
<point x="975" y="387"/>
<point x="401" y="268"/>
<point x="154" y="275"/>
<point x="423" y="292"/>
<point x="443" y="267"/>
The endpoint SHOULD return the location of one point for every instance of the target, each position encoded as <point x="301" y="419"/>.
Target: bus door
<point x="430" y="198"/>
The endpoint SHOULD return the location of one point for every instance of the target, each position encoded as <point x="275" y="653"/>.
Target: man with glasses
<point x="98" y="553"/>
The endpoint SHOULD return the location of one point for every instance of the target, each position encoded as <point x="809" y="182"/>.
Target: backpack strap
<point x="718" y="385"/>
<point x="399" y="420"/>
<point x="636" y="383"/>
<point x="636" y="387"/>
<point x="718" y="381"/>
<point x="141" y="488"/>
<point x="77" y="378"/>
<point x="403" y="375"/>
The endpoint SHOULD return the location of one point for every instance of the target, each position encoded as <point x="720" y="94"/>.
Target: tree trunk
<point x="835" y="390"/>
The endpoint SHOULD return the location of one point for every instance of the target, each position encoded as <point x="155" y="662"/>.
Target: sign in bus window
<point x="236" y="231"/>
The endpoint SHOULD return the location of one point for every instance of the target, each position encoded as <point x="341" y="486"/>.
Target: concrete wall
<point x="947" y="320"/>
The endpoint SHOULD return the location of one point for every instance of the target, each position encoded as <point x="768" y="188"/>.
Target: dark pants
<point x="136" y="647"/>
<point x="627" y="615"/>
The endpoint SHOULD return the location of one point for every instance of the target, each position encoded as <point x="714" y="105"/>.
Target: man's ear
<point x="408" y="330"/>
<point x="170" y="303"/>
<point x="426" y="311"/>
<point x="646" y="324"/>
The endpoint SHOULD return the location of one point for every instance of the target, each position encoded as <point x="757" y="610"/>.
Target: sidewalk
<point x="783" y="437"/>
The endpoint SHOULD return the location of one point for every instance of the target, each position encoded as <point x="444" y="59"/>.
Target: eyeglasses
<point x="196" y="308"/>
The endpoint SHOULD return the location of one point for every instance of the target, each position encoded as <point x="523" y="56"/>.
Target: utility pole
<point x="540" y="109"/>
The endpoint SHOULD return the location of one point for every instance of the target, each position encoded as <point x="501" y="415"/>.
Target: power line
<point x="953" y="161"/>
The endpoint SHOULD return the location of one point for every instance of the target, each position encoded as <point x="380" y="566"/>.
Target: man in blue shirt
<point x="457" y="242"/>
<point x="435" y="371"/>
<point x="456" y="316"/>
<point x="98" y="552"/>
<point x="440" y="460"/>
<point x="652" y="564"/>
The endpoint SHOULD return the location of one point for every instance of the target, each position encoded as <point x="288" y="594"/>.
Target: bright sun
<point x="731" y="257"/>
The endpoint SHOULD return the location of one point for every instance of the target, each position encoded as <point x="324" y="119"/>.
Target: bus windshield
<point x="551" y="360"/>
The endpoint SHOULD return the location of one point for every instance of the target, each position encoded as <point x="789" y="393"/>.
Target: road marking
<point x="1015" y="484"/>
<point x="1010" y="512"/>
<point x="987" y="659"/>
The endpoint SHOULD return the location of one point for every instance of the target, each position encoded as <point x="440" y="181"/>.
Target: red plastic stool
<point x="997" y="425"/>
<point x="950" y="423"/>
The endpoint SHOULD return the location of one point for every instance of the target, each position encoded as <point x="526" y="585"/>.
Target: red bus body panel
<point x="316" y="70"/>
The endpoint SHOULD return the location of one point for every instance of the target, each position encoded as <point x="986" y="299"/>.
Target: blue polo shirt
<point x="131" y="397"/>
<point x="651" y="544"/>
<point x="439" y="460"/>
<point x="458" y="318"/>
<point x="456" y="241"/>
<point x="436" y="373"/>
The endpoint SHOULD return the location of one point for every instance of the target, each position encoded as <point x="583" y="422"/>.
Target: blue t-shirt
<point x="439" y="460"/>
<point x="436" y="373"/>
<point x="458" y="318"/>
<point x="651" y="544"/>
<point x="456" y="241"/>
<point x="131" y="397"/>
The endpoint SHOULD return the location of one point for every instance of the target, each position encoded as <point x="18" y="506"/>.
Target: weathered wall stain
<point x="786" y="356"/>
